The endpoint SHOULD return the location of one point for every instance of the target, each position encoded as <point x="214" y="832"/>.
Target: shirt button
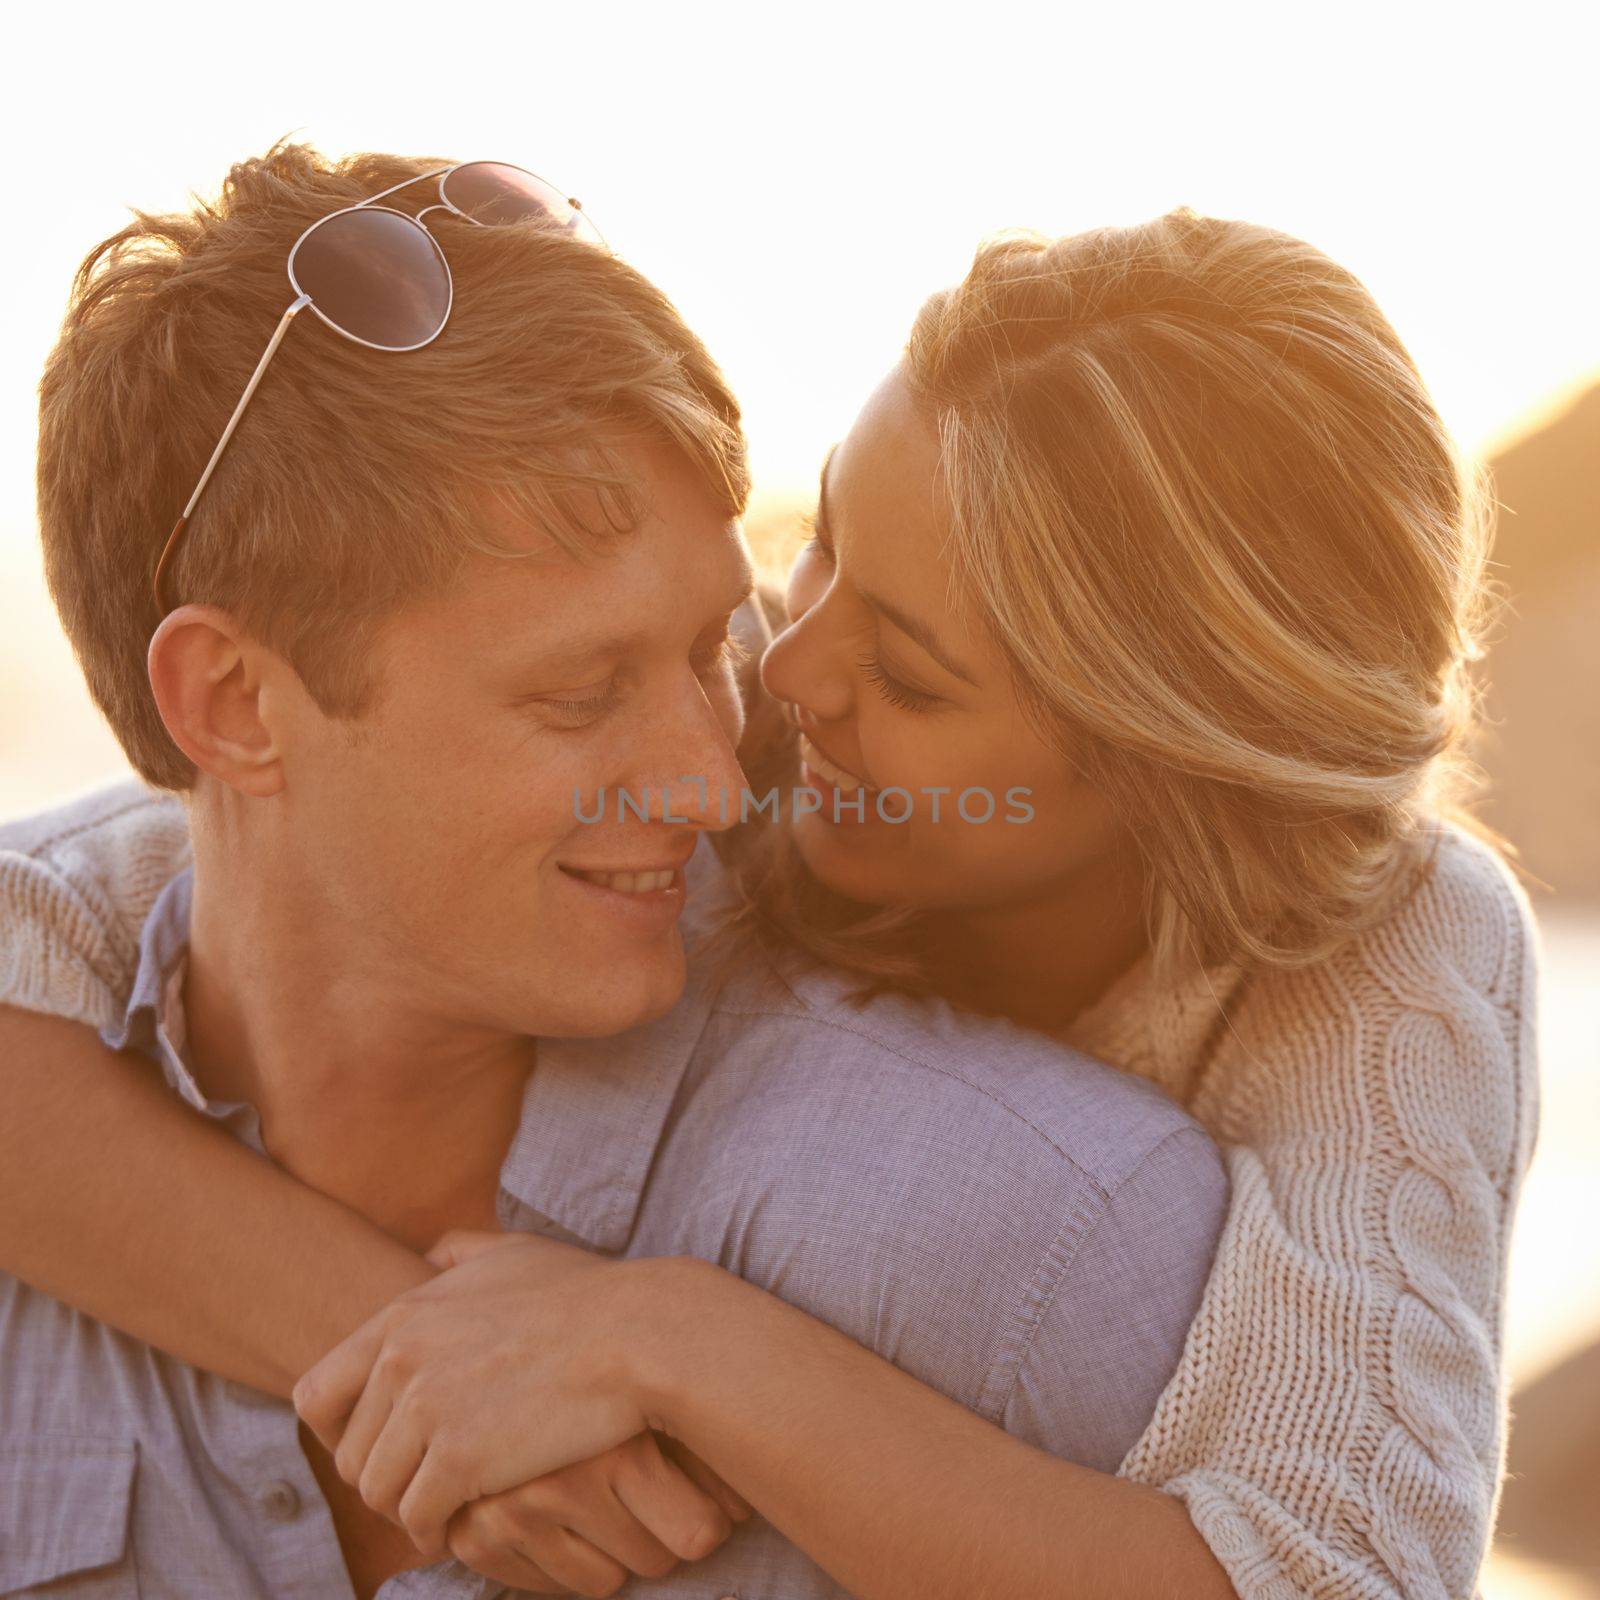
<point x="280" y="1500"/>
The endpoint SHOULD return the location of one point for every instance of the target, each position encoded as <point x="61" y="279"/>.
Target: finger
<point x="720" y="1490"/>
<point x="477" y="1542"/>
<point x="437" y="1491"/>
<point x="361" y="1430"/>
<point x="589" y="1509"/>
<point x="687" y="1520"/>
<point x="327" y="1394"/>
<point x="391" y="1463"/>
<point x="462" y="1244"/>
<point x="572" y="1561"/>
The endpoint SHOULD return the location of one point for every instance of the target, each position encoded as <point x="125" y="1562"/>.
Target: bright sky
<point x="798" y="178"/>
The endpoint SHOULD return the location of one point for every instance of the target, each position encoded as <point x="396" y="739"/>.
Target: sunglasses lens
<point x="375" y="275"/>
<point x="491" y="192"/>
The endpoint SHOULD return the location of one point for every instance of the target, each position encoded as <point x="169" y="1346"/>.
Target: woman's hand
<point x="509" y="1366"/>
<point x="586" y="1528"/>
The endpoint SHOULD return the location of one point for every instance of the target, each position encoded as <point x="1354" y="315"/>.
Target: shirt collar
<point x="592" y="1114"/>
<point x="163" y="948"/>
<point x="154" y="1021"/>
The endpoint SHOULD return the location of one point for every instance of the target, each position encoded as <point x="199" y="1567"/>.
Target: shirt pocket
<point x="64" y="1509"/>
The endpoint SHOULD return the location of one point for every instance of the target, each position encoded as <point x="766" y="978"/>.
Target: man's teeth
<point x="845" y="782"/>
<point x="629" y="882"/>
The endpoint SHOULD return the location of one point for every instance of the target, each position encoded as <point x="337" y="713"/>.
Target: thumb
<point x="463" y="1244"/>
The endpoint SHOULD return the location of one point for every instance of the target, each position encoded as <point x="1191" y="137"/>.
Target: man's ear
<point x="209" y="678"/>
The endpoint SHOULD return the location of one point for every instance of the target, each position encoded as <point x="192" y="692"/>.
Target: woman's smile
<point x="821" y="771"/>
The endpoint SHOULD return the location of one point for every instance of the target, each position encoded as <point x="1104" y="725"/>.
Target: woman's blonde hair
<point x="1202" y="502"/>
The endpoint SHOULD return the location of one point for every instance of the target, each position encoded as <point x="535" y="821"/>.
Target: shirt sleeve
<point x="1338" y="1422"/>
<point x="76" y="884"/>
<point x="1111" y="1333"/>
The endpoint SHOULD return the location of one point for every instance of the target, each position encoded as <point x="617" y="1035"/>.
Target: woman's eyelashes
<point x="896" y="690"/>
<point x="893" y="689"/>
<point x="817" y="541"/>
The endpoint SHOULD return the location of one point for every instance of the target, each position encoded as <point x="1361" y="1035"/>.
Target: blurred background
<point x="799" y="177"/>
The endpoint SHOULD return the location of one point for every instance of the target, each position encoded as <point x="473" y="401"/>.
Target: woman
<point x="1160" y="525"/>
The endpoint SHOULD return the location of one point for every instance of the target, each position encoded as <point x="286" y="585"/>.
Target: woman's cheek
<point x="902" y="749"/>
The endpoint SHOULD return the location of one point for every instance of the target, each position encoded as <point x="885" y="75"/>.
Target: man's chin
<point x="612" y="996"/>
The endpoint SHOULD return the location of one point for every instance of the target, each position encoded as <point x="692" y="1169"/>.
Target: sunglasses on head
<point x="378" y="276"/>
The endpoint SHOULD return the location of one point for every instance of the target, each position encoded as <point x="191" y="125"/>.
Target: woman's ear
<point x="208" y="674"/>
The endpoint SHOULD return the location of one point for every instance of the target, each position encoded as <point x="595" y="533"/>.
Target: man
<point x="430" y="598"/>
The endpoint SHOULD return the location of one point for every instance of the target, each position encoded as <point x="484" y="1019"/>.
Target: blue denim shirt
<point x="1021" y="1228"/>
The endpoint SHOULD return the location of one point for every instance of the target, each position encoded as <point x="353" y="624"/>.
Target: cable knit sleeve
<point x="1337" y="1424"/>
<point x="76" y="884"/>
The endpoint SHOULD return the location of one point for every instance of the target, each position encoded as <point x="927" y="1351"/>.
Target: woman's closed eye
<point x="817" y="541"/>
<point x="894" y="689"/>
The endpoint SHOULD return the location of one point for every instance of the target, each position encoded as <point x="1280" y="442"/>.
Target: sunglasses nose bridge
<point x="443" y="205"/>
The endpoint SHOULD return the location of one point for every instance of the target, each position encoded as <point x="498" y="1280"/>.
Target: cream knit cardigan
<point x="1336" y="1426"/>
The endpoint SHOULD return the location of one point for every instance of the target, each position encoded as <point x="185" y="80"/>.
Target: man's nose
<point x="694" y="772"/>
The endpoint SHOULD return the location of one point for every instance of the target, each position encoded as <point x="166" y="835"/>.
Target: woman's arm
<point x="896" y="1491"/>
<point x="118" y="1199"/>
<point x="114" y="1196"/>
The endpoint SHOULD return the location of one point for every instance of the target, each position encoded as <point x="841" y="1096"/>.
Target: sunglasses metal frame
<point x="303" y="300"/>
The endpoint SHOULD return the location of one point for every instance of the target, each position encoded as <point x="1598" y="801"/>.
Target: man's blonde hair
<point x="357" y="479"/>
<point x="1203" y="504"/>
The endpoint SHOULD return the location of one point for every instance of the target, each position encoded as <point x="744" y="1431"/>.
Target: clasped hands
<point x="503" y="1413"/>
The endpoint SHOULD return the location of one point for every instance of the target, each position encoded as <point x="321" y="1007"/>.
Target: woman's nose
<point x="804" y="667"/>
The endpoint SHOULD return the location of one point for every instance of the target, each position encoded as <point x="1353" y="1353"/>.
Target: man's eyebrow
<point x="578" y="653"/>
<point x="903" y="620"/>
